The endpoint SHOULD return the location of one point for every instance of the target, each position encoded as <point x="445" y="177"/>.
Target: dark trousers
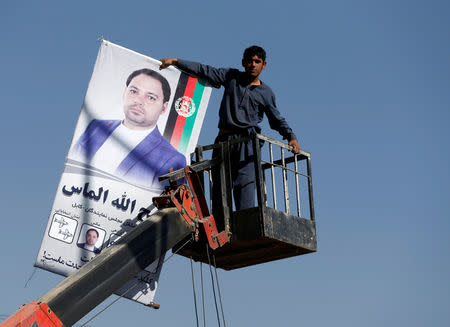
<point x="242" y="168"/>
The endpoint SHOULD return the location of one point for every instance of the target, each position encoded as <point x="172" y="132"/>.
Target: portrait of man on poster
<point x="133" y="148"/>
<point x="90" y="240"/>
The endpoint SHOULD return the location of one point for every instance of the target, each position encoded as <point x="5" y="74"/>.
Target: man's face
<point x="143" y="102"/>
<point x="253" y="66"/>
<point x="91" y="238"/>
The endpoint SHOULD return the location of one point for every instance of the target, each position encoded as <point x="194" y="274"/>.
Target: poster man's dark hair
<point x="149" y="72"/>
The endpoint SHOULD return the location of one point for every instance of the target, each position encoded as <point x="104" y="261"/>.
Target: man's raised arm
<point x="215" y="76"/>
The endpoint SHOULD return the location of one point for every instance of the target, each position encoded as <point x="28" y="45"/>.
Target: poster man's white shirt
<point x="117" y="147"/>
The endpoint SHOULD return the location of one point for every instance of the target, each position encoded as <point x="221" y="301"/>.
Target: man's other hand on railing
<point x="295" y="147"/>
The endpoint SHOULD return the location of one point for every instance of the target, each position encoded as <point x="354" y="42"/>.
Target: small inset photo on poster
<point x="91" y="238"/>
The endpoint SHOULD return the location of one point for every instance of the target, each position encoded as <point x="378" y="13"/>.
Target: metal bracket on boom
<point x="190" y="201"/>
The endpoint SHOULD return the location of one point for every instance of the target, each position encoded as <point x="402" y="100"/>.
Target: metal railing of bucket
<point x="272" y="158"/>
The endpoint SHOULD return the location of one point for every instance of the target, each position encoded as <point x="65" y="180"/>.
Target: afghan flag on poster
<point x="189" y="101"/>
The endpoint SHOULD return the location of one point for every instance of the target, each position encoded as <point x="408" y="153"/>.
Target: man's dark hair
<point x="164" y="83"/>
<point x="96" y="231"/>
<point x="254" y="50"/>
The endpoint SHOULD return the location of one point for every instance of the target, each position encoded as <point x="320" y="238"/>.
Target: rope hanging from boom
<point x="193" y="290"/>
<point x="213" y="284"/>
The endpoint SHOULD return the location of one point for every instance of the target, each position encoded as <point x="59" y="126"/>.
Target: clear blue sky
<point x="364" y="84"/>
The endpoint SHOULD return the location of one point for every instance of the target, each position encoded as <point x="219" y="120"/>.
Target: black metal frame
<point x="260" y="167"/>
<point x="262" y="233"/>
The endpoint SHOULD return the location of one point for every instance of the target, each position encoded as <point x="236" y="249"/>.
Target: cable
<point x="31" y="276"/>
<point x="127" y="290"/>
<point x="218" y="289"/>
<point x="118" y="298"/>
<point x="212" y="282"/>
<point x="203" y="294"/>
<point x="173" y="253"/>
<point x="193" y="290"/>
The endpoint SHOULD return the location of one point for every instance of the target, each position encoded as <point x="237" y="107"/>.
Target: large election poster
<point x="136" y="123"/>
